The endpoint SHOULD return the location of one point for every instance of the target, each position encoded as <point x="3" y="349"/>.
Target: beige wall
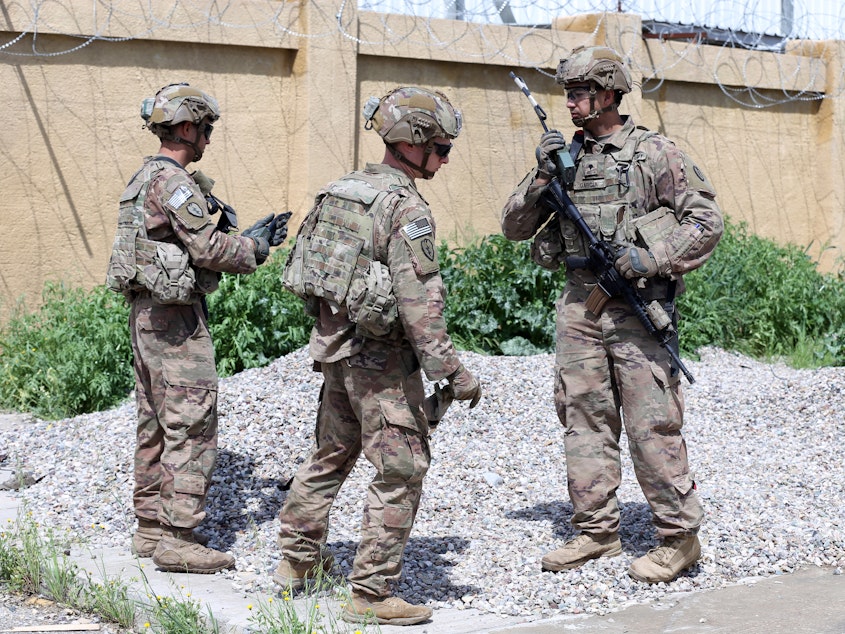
<point x="291" y="122"/>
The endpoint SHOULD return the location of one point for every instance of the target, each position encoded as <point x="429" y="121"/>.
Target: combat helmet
<point x="415" y="116"/>
<point x="598" y="65"/>
<point x="174" y="104"/>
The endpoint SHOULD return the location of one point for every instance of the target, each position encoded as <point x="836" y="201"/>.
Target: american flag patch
<point x="417" y="228"/>
<point x="179" y="197"/>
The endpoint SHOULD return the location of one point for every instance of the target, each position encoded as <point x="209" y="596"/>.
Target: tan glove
<point x="435" y="405"/>
<point x="636" y="262"/>
<point x="465" y="386"/>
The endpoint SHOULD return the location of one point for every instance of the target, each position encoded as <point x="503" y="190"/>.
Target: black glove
<point x="261" y="232"/>
<point x="635" y="262"/>
<point x="550" y="142"/>
<point x="465" y="386"/>
<point x="279" y="228"/>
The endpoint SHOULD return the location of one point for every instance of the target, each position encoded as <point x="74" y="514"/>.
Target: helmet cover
<point x="598" y="64"/>
<point x="413" y="115"/>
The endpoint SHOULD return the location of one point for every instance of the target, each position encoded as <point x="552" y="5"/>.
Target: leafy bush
<point x="753" y="296"/>
<point x="72" y="356"/>
<point x="253" y="320"/>
<point x="764" y="300"/>
<point x="499" y="301"/>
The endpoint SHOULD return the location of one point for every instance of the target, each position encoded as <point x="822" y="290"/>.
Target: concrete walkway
<point x="810" y="601"/>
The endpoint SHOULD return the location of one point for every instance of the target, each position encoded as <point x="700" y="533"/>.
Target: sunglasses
<point x="442" y="149"/>
<point x="577" y="94"/>
<point x="206" y="130"/>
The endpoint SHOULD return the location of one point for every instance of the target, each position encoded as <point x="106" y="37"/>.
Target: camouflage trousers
<point x="369" y="402"/>
<point x="176" y="398"/>
<point x="608" y="372"/>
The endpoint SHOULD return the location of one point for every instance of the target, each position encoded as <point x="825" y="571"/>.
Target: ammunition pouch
<point x="170" y="277"/>
<point x="370" y="302"/>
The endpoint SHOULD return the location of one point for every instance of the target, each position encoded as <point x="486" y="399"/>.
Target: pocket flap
<point x="399" y="415"/>
<point x="187" y="373"/>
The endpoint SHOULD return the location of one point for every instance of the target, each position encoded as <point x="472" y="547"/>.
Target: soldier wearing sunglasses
<point x="167" y="256"/>
<point x="365" y="262"/>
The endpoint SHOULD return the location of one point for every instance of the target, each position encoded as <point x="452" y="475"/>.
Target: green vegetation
<point x="33" y="562"/>
<point x="755" y="297"/>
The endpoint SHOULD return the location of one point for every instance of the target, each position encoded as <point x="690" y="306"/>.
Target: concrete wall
<point x="291" y="121"/>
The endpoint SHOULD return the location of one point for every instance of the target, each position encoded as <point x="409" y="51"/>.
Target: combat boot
<point x="580" y="549"/>
<point x="146" y="538"/>
<point x="364" y="608"/>
<point x="294" y="575"/>
<point x="177" y="551"/>
<point x="666" y="562"/>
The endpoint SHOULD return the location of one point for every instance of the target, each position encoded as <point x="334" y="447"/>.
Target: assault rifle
<point x="601" y="256"/>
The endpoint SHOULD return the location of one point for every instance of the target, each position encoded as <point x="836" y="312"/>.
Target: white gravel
<point x="765" y="442"/>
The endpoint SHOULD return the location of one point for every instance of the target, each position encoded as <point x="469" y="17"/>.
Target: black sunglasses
<point x="206" y="130"/>
<point x="442" y="149"/>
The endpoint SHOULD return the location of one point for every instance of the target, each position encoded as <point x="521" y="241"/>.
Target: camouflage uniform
<point x="635" y="188"/>
<point x="175" y="373"/>
<point x="372" y="396"/>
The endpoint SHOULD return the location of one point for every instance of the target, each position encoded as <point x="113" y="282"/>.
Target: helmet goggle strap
<point x="426" y="174"/>
<point x="594" y="112"/>
<point x="194" y="145"/>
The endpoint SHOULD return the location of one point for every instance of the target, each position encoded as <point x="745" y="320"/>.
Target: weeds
<point x="753" y="296"/>
<point x="283" y="617"/>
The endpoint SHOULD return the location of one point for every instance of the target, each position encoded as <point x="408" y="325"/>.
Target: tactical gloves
<point x="550" y="143"/>
<point x="635" y="262"/>
<point x="465" y="386"/>
<point x="261" y="232"/>
<point x="268" y="232"/>
<point x="279" y="228"/>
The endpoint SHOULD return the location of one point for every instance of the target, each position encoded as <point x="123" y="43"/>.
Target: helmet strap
<point x="426" y="174"/>
<point x="594" y="112"/>
<point x="194" y="145"/>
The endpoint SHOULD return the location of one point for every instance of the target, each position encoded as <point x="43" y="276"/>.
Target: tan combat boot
<point x="666" y="562"/>
<point x="177" y="551"/>
<point x="146" y="538"/>
<point x="294" y="575"/>
<point x="580" y="549"/>
<point x="383" y="610"/>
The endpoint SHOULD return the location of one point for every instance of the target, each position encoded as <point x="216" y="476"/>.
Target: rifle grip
<point x="596" y="300"/>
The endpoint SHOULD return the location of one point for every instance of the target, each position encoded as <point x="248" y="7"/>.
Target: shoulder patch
<point x="186" y="203"/>
<point x="419" y="236"/>
<point x="696" y="178"/>
<point x="194" y="209"/>
<point x="179" y="197"/>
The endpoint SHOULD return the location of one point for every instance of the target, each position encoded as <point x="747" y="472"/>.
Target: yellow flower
<point x="147" y="624"/>
<point x="316" y="606"/>
<point x="287" y="598"/>
<point x="269" y="599"/>
<point x="249" y="606"/>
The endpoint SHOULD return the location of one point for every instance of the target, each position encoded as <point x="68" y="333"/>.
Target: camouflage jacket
<point x="175" y="210"/>
<point x="411" y="259"/>
<point x="654" y="197"/>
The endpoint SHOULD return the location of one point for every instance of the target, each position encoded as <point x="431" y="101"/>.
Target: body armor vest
<point x="140" y="264"/>
<point x="335" y="258"/>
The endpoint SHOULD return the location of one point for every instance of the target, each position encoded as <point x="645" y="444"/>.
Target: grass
<point x="33" y="562"/>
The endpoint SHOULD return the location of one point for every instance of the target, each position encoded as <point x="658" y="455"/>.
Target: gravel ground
<point x="765" y="442"/>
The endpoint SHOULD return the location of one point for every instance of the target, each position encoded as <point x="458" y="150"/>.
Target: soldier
<point x="365" y="262"/>
<point x="641" y="194"/>
<point x="166" y="257"/>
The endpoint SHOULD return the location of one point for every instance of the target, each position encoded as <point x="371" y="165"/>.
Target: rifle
<point x="228" y="219"/>
<point x="601" y="257"/>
